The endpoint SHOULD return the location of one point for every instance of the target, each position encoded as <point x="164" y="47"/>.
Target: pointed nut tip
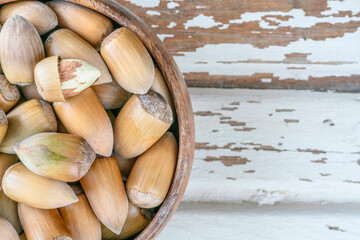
<point x="117" y="231"/>
<point x="76" y="199"/>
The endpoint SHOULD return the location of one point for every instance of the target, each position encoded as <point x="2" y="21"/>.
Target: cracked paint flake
<point x="202" y="21"/>
<point x="172" y="5"/>
<point x="152" y="13"/>
<point x="309" y="150"/>
<point x="164" y="36"/>
<point x="250" y="42"/>
<point x="172" y="25"/>
<point x="145" y="3"/>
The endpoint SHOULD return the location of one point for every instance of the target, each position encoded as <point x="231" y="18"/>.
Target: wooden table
<point x="278" y="154"/>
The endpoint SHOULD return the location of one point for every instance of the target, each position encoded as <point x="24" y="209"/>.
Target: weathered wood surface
<point x="260" y="44"/>
<point x="249" y="222"/>
<point x="275" y="146"/>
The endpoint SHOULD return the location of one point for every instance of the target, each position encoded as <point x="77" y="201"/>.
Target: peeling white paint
<point x="248" y="222"/>
<point x="297" y="19"/>
<point x="172" y="5"/>
<point x="266" y="80"/>
<point x="224" y="26"/>
<point x="154" y="26"/>
<point x="163" y="36"/>
<point x="200" y="7"/>
<point x="278" y="174"/>
<point x="321" y="60"/>
<point x="171" y="25"/>
<point x="335" y="7"/>
<point x="202" y="21"/>
<point x="152" y="13"/>
<point x="145" y="3"/>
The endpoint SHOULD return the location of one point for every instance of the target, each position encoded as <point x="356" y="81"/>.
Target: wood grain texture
<point x="275" y="146"/>
<point x="250" y="222"/>
<point x="260" y="44"/>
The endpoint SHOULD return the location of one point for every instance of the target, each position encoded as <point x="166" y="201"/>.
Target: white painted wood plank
<point x="260" y="44"/>
<point x="248" y="222"/>
<point x="275" y="146"/>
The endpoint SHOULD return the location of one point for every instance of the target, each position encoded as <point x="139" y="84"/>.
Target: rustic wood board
<point x="260" y="44"/>
<point x="275" y="146"/>
<point x="249" y="222"/>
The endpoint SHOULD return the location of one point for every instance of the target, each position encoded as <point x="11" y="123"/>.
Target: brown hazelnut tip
<point x="8" y="91"/>
<point x="112" y="36"/>
<point x="156" y="105"/>
<point x="3" y="118"/>
<point x="77" y="189"/>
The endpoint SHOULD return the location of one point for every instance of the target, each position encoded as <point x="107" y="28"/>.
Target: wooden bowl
<point x="180" y="94"/>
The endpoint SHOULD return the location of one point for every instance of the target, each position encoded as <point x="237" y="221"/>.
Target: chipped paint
<point x="322" y="160"/>
<point x="152" y="13"/>
<point x="305" y="180"/>
<point x="253" y="44"/>
<point x="248" y="221"/>
<point x="291" y="120"/>
<point x="172" y="25"/>
<point x="145" y="3"/>
<point x="164" y="36"/>
<point x="202" y="21"/>
<point x="206" y="113"/>
<point x="335" y="228"/>
<point x="231" y="178"/>
<point x="228" y="161"/>
<point x="233" y="123"/>
<point x="279" y="153"/>
<point x="296" y="18"/>
<point x="285" y="110"/>
<point x="172" y="5"/>
<point x="342" y="58"/>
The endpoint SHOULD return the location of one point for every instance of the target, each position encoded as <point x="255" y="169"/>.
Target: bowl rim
<point x="179" y="92"/>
